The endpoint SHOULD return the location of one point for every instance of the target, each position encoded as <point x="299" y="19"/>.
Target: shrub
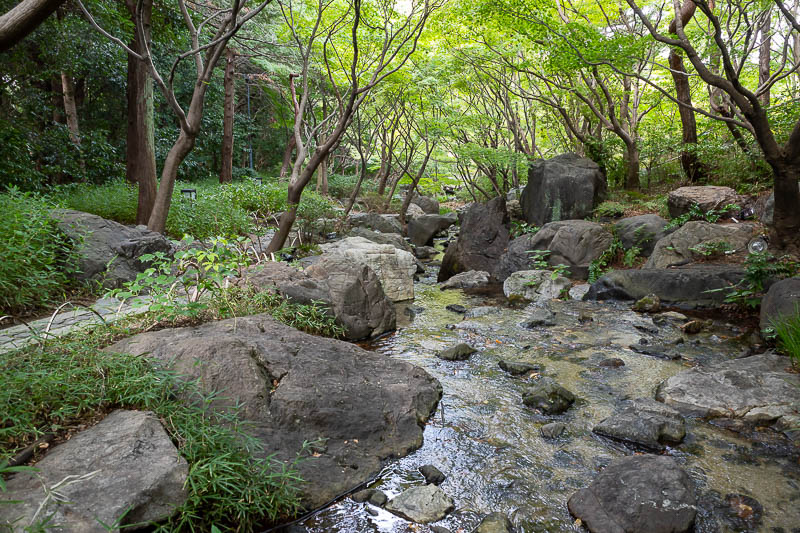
<point x="34" y="253"/>
<point x="787" y="333"/>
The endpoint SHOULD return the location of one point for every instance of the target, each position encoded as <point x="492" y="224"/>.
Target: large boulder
<point x="565" y="187"/>
<point x="756" y="389"/>
<point x="428" y="204"/>
<point x="422" y="229"/>
<point x="361" y="407"/>
<point x="133" y="475"/>
<point x="482" y="240"/>
<point x="395" y="268"/>
<point x="782" y="301"/>
<point x="638" y="494"/>
<point x="376" y="222"/>
<point x="534" y="285"/>
<point x="351" y="291"/>
<point x="690" y="287"/>
<point x="644" y="422"/>
<point x="393" y="239"/>
<point x="706" y="197"/>
<point x="574" y="243"/>
<point x="676" y="248"/>
<point x="108" y="252"/>
<point x="643" y="231"/>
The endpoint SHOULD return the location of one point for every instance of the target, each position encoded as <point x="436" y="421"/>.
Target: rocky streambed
<point x="500" y="456"/>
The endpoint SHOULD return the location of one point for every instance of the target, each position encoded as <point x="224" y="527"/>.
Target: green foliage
<point x="609" y="210"/>
<point x="602" y="264"/>
<point x="520" y="228"/>
<point x="695" y="213"/>
<point x="342" y="185"/>
<point x="760" y="267"/>
<point x="539" y="261"/>
<point x="630" y="256"/>
<point x="49" y="390"/>
<point x="712" y="249"/>
<point x="114" y="200"/>
<point x="35" y="254"/>
<point x="787" y="334"/>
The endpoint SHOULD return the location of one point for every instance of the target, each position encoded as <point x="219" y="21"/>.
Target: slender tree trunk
<point x="226" y="171"/>
<point x="352" y="200"/>
<point x="176" y="155"/>
<point x="140" y="160"/>
<point x="383" y="173"/>
<point x="23" y="18"/>
<point x="631" y="166"/>
<point x="70" y="109"/>
<point x="287" y="156"/>
<point x="786" y="218"/>
<point x="764" y="57"/>
<point x="322" y="176"/>
<point x="691" y="165"/>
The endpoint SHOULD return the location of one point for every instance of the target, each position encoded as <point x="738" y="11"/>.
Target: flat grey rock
<point x="423" y="504"/>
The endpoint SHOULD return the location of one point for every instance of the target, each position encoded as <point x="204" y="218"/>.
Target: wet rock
<point x="781" y="302"/>
<point x="495" y="523"/>
<point x="562" y="188"/>
<point x="293" y="387"/>
<point x="687" y="287"/>
<point x="483" y="310"/>
<point x="574" y="243"/>
<point x="467" y="280"/>
<point x="432" y="474"/>
<point x="394" y="268"/>
<point x="439" y="529"/>
<point x="459" y="352"/>
<point x="424" y="252"/>
<point x="377" y="222"/>
<point x="456" y="308"/>
<point x="638" y="494"/>
<point x="613" y="362"/>
<point x="374" y="496"/>
<point x="585" y="316"/>
<point x="648" y="304"/>
<point x="516" y="368"/>
<point x="578" y="292"/>
<point x="421" y="504"/>
<point x="138" y="473"/>
<point x="482" y="240"/>
<point x="757" y="389"/>
<point x="548" y="396"/>
<point x="642" y="231"/>
<point x="655" y="350"/>
<point x="676" y="248"/>
<point x="422" y="229"/>
<point x="392" y="239"/>
<point x="540" y="316"/>
<point x="534" y="286"/>
<point x="644" y="422"/>
<point x="428" y="204"/>
<point x="553" y="430"/>
<point x="107" y="251"/>
<point x="736" y="512"/>
<point x="694" y="327"/>
<point x="372" y="512"/>
<point x="706" y="197"/>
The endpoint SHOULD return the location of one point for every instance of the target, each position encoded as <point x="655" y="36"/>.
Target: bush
<point x="787" y="333"/>
<point x="34" y="252"/>
<point x="115" y="200"/>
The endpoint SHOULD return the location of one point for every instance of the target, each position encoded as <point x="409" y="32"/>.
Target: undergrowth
<point x="787" y="336"/>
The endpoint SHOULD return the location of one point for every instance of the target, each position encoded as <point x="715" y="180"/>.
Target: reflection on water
<point x="490" y="447"/>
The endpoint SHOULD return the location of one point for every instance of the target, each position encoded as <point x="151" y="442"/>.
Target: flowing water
<point x="489" y="444"/>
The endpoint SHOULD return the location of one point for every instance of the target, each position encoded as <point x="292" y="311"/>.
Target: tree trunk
<point x="786" y="217"/>
<point x="176" y="155"/>
<point x="383" y="173"/>
<point x="322" y="176"/>
<point x="289" y="216"/>
<point x="70" y="109"/>
<point x="352" y="200"/>
<point x="23" y="18"/>
<point x="631" y="166"/>
<point x="140" y="160"/>
<point x="691" y="165"/>
<point x="226" y="171"/>
<point x="287" y="156"/>
<point x="764" y="57"/>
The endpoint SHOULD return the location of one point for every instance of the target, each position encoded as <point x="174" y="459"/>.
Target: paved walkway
<point x="66" y="321"/>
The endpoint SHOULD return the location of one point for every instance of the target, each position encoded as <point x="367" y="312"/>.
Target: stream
<point x="490" y="447"/>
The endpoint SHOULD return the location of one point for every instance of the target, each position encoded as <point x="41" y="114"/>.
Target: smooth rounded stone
<point x="293" y="388"/>
<point x="107" y="251"/>
<point x="565" y="187"/>
<point x="676" y="248"/>
<point x="424" y="252"/>
<point x="482" y="240"/>
<point x="516" y="368"/>
<point x="372" y="512"/>
<point x="423" y="228"/>
<point x="548" y="396"/>
<point x="538" y="317"/>
<point x="456" y="308"/>
<point x="648" y="304"/>
<point x="644" y="422"/>
<point x="637" y="494"/>
<point x="428" y="204"/>
<point x="483" y="310"/>
<point x="534" y="286"/>
<point x="422" y="505"/>
<point x="392" y="239"/>
<point x="574" y="243"/>
<point x="377" y="222"/>
<point x="374" y="496"/>
<point x="706" y="197"/>
<point x="471" y="279"/>
<point x="553" y="430"/>
<point x="781" y="302"/>
<point x="578" y="292"/>
<point x="687" y="287"/>
<point x="459" y="352"/>
<point x="642" y="231"/>
<point x="137" y="472"/>
<point x="612" y="362"/>
<point x="394" y="268"/>
<point x="432" y="474"/>
<point x="756" y="389"/>
<point x="495" y="523"/>
<point x="440" y="529"/>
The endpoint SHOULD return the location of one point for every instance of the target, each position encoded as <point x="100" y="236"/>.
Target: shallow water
<point x="489" y="444"/>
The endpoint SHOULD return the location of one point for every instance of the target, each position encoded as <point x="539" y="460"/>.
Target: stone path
<point x="66" y="321"/>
